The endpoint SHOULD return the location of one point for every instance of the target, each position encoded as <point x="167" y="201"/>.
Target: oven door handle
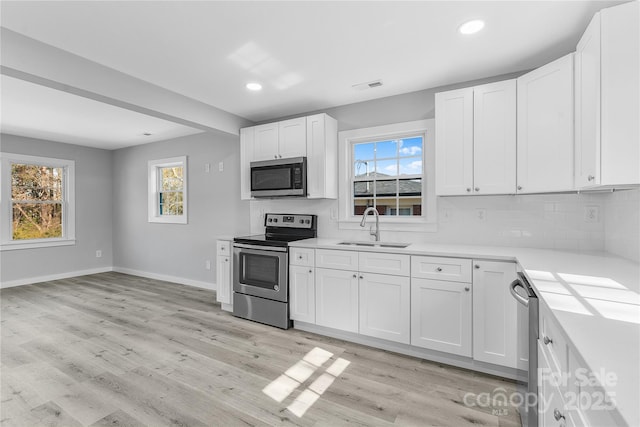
<point x="259" y="247"/>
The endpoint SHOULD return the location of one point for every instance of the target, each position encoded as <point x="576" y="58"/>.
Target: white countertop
<point x="595" y="298"/>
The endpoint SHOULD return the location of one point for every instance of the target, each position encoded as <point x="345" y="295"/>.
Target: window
<point x="168" y="190"/>
<point x="37" y="201"/>
<point x="390" y="168"/>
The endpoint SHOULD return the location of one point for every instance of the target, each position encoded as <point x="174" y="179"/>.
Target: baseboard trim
<point x="167" y="278"/>
<point x="50" y="277"/>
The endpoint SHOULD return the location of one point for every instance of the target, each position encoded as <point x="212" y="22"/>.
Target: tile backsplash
<point x="557" y="221"/>
<point x="622" y="224"/>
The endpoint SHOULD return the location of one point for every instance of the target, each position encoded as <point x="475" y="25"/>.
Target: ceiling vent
<point x="367" y="85"/>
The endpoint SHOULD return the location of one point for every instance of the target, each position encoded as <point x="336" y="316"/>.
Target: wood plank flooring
<point x="117" y="350"/>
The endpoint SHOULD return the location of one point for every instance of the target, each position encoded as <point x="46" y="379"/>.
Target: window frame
<point x="153" y="206"/>
<point x="6" y="204"/>
<point x="426" y="129"/>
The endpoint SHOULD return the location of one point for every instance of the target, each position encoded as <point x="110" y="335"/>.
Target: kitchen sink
<point x="376" y="244"/>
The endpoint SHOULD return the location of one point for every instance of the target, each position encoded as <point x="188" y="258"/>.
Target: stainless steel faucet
<point x="364" y="220"/>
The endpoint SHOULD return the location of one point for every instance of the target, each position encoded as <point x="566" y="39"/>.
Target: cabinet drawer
<point x="553" y="342"/>
<point x="224" y="247"/>
<point x="302" y="256"/>
<point x="449" y="269"/>
<point x="394" y="264"/>
<point x="338" y="260"/>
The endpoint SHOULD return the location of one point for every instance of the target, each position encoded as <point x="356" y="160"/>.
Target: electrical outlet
<point x="207" y="167"/>
<point x="591" y="214"/>
<point x="98" y="253"/>
<point x="220" y="166"/>
<point x="481" y="214"/>
<point x="207" y="264"/>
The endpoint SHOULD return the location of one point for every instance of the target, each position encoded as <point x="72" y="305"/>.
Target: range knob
<point x="270" y="219"/>
<point x="275" y="219"/>
<point x="302" y="221"/>
<point x="307" y="221"/>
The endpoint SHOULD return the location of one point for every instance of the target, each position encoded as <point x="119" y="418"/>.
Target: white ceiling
<point x="40" y="112"/>
<point x="307" y="55"/>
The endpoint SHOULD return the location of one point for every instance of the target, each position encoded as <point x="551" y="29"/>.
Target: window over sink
<point x="390" y="168"/>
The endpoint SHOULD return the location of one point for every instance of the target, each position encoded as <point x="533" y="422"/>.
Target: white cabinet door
<point x="495" y="319"/>
<point x="265" y="145"/>
<point x="302" y="294"/>
<point x="454" y="142"/>
<point x="246" y="157"/>
<point x="322" y="157"/>
<point x="494" y="138"/>
<point x="385" y="306"/>
<point x="587" y="105"/>
<point x="620" y="98"/>
<point x="292" y="138"/>
<point x="545" y="128"/>
<point x="441" y="315"/>
<point x="337" y="299"/>
<point x="223" y="279"/>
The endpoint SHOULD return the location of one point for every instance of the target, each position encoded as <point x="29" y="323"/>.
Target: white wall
<point x="178" y="251"/>
<point x="93" y="216"/>
<point x="622" y="224"/>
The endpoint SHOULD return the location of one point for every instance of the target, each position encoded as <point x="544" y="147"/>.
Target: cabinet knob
<point x="280" y="155"/>
<point x="519" y="187"/>
<point x="299" y="256"/>
<point x="557" y="414"/>
<point x="466" y="288"/>
<point x="361" y="277"/>
<point x="275" y="156"/>
<point x="547" y="340"/>
<point x="226" y="260"/>
<point x="591" y="178"/>
<point x="477" y="188"/>
<point x="476" y="266"/>
<point x="310" y="271"/>
<point x="355" y="276"/>
<point x="468" y="190"/>
<point x="438" y="269"/>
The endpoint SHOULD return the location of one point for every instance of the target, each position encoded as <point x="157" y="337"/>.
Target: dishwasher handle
<point x="512" y="288"/>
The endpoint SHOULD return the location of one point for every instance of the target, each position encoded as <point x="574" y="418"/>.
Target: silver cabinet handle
<point x="468" y="190"/>
<point x="547" y="340"/>
<point x="557" y="414"/>
<point x="476" y="266"/>
<point x="466" y="288"/>
<point x="591" y="178"/>
<point x="438" y="269"/>
<point x="477" y="189"/>
<point x="519" y="187"/>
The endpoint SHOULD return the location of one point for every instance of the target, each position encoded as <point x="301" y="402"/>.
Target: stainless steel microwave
<point x="279" y="178"/>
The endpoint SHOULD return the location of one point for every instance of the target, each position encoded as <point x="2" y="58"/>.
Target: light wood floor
<point x="117" y="350"/>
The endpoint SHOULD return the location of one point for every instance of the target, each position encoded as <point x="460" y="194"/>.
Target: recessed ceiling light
<point x="471" y="27"/>
<point x="254" y="86"/>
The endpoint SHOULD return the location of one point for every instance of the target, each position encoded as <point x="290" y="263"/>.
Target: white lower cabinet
<point x="384" y="306"/>
<point x="495" y="319"/>
<point x="337" y="299"/>
<point x="224" y="277"/>
<point x="441" y="315"/>
<point x="302" y="298"/>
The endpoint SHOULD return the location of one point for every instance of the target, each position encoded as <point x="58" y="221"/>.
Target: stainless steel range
<point x="261" y="267"/>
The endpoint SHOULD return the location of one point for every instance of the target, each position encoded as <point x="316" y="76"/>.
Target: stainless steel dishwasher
<point x="527" y="338"/>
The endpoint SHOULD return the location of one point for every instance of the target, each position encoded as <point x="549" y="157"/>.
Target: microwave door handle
<point x="512" y="288"/>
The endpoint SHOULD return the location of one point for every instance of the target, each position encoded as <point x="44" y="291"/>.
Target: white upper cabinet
<point x="454" y="142"/>
<point x="322" y="157"/>
<point x="281" y="140"/>
<point x="292" y="138"/>
<point x="494" y="138"/>
<point x="545" y="128"/>
<point x="607" y="101"/>
<point x="476" y="140"/>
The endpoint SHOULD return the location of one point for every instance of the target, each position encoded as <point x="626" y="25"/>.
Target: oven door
<point x="261" y="271"/>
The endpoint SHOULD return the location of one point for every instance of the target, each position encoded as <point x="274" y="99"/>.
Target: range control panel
<point x="290" y="221"/>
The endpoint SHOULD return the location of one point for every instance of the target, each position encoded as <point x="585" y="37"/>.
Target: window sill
<point x="167" y="220"/>
<point x="416" y="225"/>
<point x="14" y="245"/>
